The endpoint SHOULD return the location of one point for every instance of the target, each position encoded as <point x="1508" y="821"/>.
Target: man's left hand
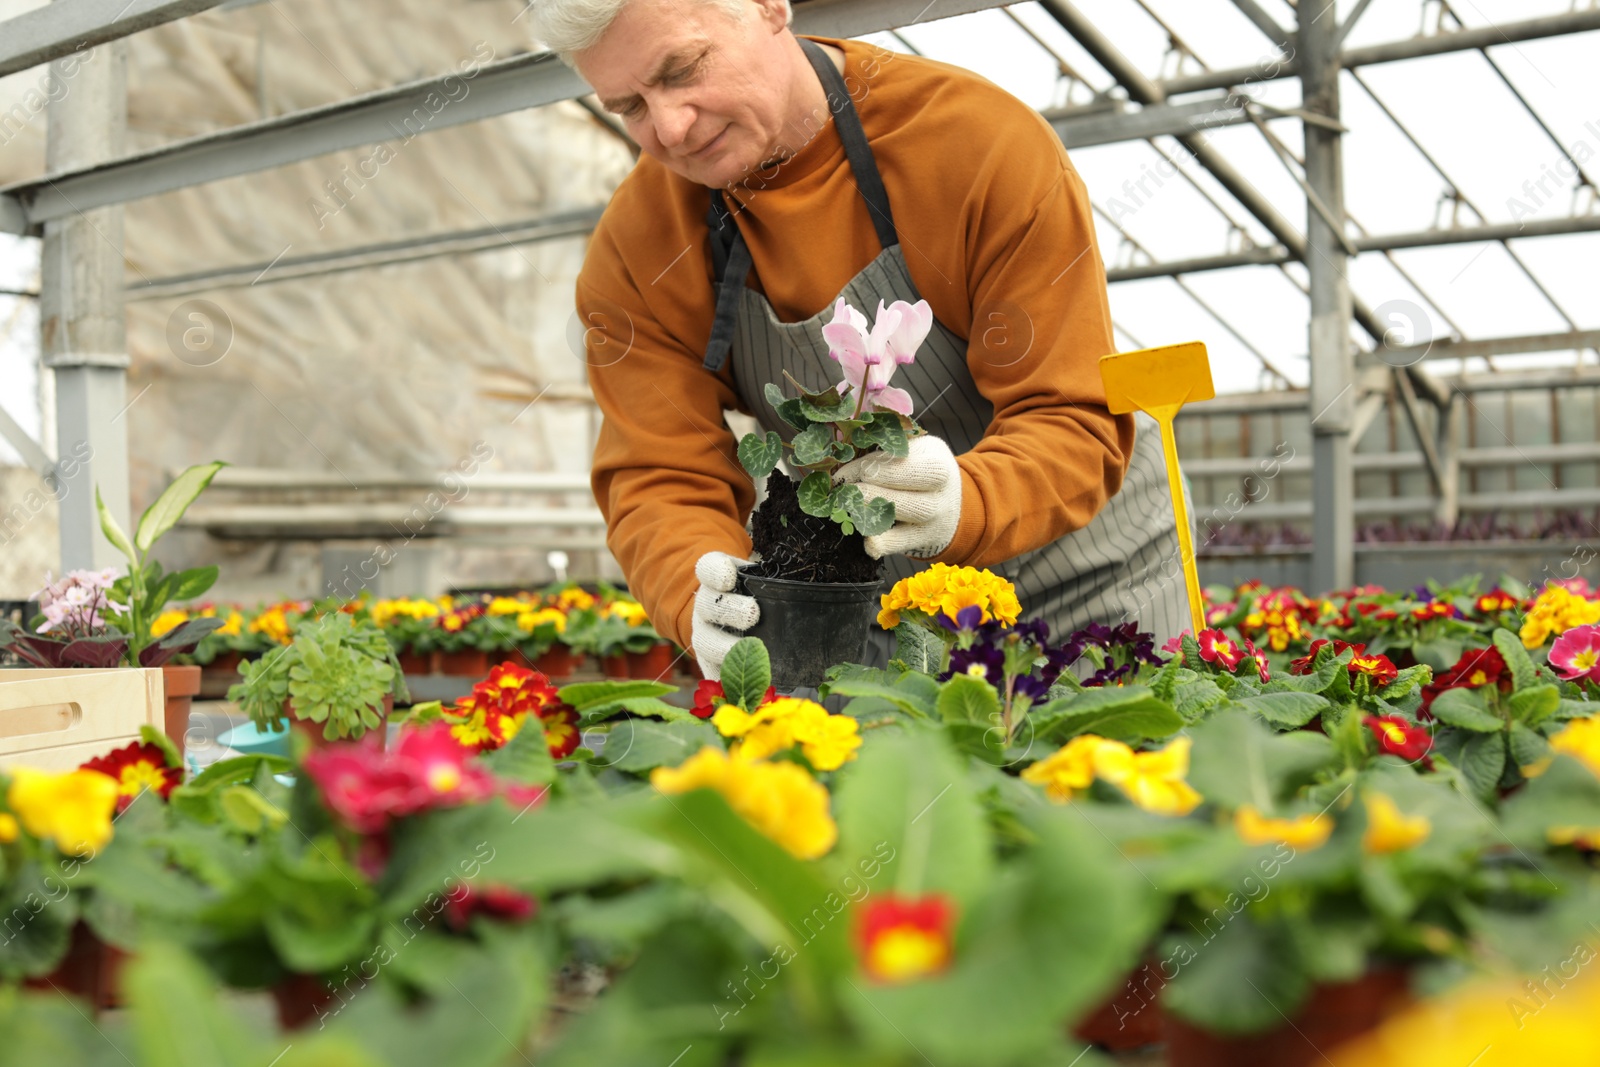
<point x="925" y="489"/>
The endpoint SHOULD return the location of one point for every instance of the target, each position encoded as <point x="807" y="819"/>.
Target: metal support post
<point x="1333" y="392"/>
<point x="82" y="337"/>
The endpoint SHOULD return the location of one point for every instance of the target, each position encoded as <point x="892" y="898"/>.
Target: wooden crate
<point x="56" y="719"/>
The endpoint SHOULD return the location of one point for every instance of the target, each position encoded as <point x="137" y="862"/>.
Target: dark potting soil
<point x="804" y="548"/>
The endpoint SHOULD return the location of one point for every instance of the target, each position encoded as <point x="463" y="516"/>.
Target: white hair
<point x="568" y="27"/>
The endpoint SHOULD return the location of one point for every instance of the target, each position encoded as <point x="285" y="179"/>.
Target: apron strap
<point x="856" y="148"/>
<point x="730" y="257"/>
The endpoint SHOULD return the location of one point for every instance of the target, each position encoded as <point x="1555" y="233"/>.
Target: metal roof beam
<point x="1394" y="51"/>
<point x="55" y="30"/>
<point x="396" y="114"/>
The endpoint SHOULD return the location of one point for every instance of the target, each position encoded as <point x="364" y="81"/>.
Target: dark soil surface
<point x="804" y="548"/>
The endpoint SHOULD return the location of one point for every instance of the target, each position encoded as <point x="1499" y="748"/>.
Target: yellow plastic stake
<point x="1159" y="381"/>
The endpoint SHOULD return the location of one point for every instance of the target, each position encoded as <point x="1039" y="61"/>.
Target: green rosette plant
<point x="335" y="673"/>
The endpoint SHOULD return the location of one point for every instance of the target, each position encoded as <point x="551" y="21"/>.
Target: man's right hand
<point x="720" y="615"/>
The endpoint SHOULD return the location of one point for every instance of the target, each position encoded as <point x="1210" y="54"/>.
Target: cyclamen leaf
<point x="813" y="445"/>
<point x="760" y="455"/>
<point x="871" y="517"/>
<point x="774" y="395"/>
<point x="816" y="494"/>
<point x="791" y="411"/>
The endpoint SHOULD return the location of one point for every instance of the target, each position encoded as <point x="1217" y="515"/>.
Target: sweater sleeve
<point x="1053" y="454"/>
<point x="665" y="475"/>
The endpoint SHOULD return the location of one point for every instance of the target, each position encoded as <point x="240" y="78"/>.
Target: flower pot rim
<point x="818" y="592"/>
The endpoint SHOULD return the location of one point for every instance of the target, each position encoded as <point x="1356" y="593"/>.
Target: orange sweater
<point x="996" y="228"/>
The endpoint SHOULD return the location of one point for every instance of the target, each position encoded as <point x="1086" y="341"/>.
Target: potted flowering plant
<point x="811" y="574"/>
<point x="339" y="674"/>
<point x="408" y="624"/>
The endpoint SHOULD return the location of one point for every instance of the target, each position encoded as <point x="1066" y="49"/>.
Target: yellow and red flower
<point x="1380" y="669"/>
<point x="1477" y="667"/>
<point x="708" y="697"/>
<point x="1303" y="664"/>
<point x="499" y="706"/>
<point x="1434" y="609"/>
<point x="1495" y="601"/>
<point x="1216" y="648"/>
<point x="1399" y="737"/>
<point x="901" y="939"/>
<point x="366" y="787"/>
<point x="1251" y="652"/>
<point x="135" y="768"/>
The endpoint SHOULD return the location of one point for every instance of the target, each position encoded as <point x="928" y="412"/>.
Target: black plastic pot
<point x="810" y="626"/>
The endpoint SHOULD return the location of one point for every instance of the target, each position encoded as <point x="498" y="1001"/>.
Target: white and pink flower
<point x="869" y="356"/>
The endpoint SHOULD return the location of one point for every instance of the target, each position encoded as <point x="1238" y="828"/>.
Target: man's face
<point x="704" y="93"/>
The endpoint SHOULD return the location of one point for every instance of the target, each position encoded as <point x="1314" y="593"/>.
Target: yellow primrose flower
<point x="530" y="621"/>
<point x="274" y="623"/>
<point x="575" y="598"/>
<point x="9" y="831"/>
<point x="629" y="611"/>
<point x="943" y="589"/>
<point x="1152" y="780"/>
<point x="828" y="741"/>
<point x="1389" y="829"/>
<point x="780" y="800"/>
<point x="1304" y="832"/>
<point x="1070" y="770"/>
<point x="1555" y="611"/>
<point x="1583" y="836"/>
<point x="1580" y="739"/>
<point x="505" y="605"/>
<point x="233" y="626"/>
<point x="73" y="808"/>
<point x="168" y="621"/>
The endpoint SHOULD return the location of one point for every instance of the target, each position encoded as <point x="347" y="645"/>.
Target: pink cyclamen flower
<point x="869" y="357"/>
<point x="1576" y="654"/>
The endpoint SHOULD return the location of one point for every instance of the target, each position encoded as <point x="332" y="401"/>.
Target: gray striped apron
<point x="1123" y="565"/>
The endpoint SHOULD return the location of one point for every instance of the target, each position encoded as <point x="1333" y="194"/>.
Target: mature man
<point x="835" y="169"/>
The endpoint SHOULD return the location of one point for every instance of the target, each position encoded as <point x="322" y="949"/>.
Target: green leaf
<point x="1194" y="699"/>
<point x="1516" y="657"/>
<point x="793" y="413"/>
<point x="178" y="1018"/>
<point x="1528" y="746"/>
<point x="187" y="585"/>
<point x="916" y="694"/>
<point x="1315" y="682"/>
<point x="526" y="757"/>
<point x="113" y="530"/>
<point x="169" y="507"/>
<point x="746" y="673"/>
<point x="871" y="517"/>
<point x="773" y="394"/>
<point x="1567" y="794"/>
<point x="1466" y="708"/>
<point x="813" y="445"/>
<point x="249" y="811"/>
<point x="825" y="407"/>
<point x="1238" y="760"/>
<point x="637" y="745"/>
<point x="1216" y="973"/>
<point x="1122" y="713"/>
<point x="760" y="455"/>
<point x="1532" y="706"/>
<point x="919" y="648"/>
<point x="1287" y="711"/>
<point x="1483" y="760"/>
<point x="816" y="494"/>
<point x="150" y="735"/>
<point x="908" y="802"/>
<point x="965" y="698"/>
<point x="587" y="696"/>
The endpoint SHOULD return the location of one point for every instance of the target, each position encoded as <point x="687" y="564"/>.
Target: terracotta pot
<point x="559" y="662"/>
<point x="91" y="969"/>
<point x="298" y="997"/>
<point x="654" y="664"/>
<point x="180" y="683"/>
<point x="312" y="731"/>
<point x="468" y="662"/>
<point x="224" y="663"/>
<point x="414" y="662"/>
<point x="1131" y="1017"/>
<point x="1331" y="1016"/>
<point x="615" y="666"/>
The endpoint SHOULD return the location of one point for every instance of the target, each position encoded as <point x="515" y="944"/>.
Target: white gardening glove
<point x="720" y="615"/>
<point x="925" y="489"/>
